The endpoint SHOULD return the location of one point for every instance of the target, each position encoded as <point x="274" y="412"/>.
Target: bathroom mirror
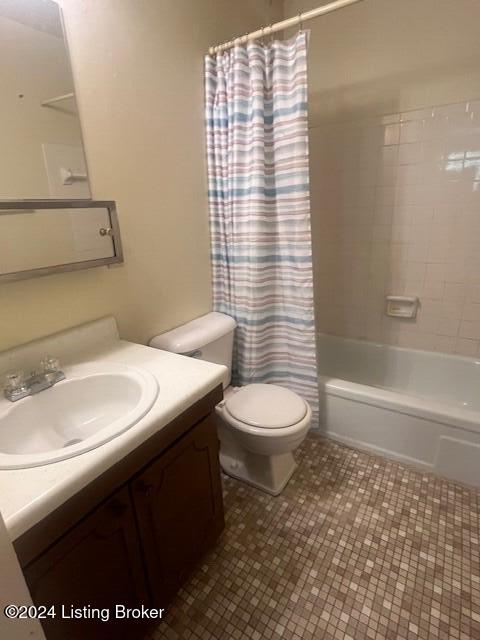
<point x="42" y="237"/>
<point x="42" y="150"/>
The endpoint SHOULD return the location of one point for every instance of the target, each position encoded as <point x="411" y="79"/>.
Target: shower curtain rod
<point x="284" y="24"/>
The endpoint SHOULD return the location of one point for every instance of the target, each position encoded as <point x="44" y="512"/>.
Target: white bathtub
<point x="418" y="407"/>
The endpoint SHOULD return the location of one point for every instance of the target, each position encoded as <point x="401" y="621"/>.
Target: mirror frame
<point x="8" y="207"/>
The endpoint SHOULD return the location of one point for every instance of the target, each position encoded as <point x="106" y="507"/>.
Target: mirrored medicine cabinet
<point x="48" y="221"/>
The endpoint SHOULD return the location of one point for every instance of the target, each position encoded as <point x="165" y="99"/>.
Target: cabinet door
<point x="179" y="506"/>
<point x="96" y="564"/>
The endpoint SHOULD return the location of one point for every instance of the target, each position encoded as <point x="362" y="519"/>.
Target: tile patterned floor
<point x="356" y="547"/>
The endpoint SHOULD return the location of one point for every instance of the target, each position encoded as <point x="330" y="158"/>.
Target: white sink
<point x="96" y="403"/>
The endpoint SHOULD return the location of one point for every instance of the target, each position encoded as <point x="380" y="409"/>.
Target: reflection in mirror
<point x="42" y="149"/>
<point x="39" y="238"/>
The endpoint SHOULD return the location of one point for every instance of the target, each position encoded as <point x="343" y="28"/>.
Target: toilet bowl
<point x="260" y="425"/>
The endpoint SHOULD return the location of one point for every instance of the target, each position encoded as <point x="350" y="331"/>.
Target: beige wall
<point x="383" y="56"/>
<point x="395" y="169"/>
<point x="138" y="67"/>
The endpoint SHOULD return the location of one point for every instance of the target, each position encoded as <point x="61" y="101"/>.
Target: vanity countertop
<point x="28" y="495"/>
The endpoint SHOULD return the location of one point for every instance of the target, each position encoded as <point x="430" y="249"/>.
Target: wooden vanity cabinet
<point x="178" y="502"/>
<point x="138" y="544"/>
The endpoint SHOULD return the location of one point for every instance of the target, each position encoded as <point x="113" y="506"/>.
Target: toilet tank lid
<point x="194" y="334"/>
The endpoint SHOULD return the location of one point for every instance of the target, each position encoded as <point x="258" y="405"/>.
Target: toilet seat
<point x="266" y="406"/>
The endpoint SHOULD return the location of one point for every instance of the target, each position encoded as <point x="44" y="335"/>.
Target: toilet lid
<point x="266" y="405"/>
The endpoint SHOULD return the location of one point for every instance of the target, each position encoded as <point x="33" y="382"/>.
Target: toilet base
<point x="267" y="473"/>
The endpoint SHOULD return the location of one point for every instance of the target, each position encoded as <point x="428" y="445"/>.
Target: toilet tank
<point x="209" y="338"/>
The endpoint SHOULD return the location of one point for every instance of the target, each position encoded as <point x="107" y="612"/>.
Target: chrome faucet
<point x="17" y="386"/>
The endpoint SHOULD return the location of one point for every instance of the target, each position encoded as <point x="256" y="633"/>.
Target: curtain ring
<point x="271" y="32"/>
<point x="261" y="37"/>
<point x="300" y="21"/>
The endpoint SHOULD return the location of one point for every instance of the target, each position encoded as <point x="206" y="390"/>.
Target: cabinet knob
<point x="145" y="488"/>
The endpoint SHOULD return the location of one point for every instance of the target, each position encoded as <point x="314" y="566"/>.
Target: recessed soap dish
<point x="402" y="306"/>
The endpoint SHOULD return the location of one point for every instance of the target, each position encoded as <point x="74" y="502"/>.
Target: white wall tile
<point x="454" y="292"/>
<point x="409" y="174"/>
<point x="471" y="312"/>
<point x="410" y="153"/>
<point x="392" y="134"/>
<point x="418" y="114"/>
<point x="473" y="294"/>
<point x="466" y="347"/>
<point x="396" y="208"/>
<point x="450" y="310"/>
<point x="469" y="330"/>
<point x="411" y="131"/>
<point x="447" y="327"/>
<point x="433" y="290"/>
<point x="435" y="272"/>
<point x="445" y="344"/>
<point x="450" y="109"/>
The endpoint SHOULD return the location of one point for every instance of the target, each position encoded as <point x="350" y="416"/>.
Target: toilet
<point x="260" y="425"/>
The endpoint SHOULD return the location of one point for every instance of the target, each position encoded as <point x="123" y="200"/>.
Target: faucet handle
<point x="14" y="381"/>
<point x="50" y="365"/>
<point x="51" y="369"/>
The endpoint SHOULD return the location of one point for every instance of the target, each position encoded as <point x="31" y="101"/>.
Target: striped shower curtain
<point x="257" y="146"/>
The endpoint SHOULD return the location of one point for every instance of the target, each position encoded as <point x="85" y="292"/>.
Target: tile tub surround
<point x="396" y="210"/>
<point x="356" y="547"/>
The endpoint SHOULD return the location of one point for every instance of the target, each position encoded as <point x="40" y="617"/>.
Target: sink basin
<point x="96" y="403"/>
